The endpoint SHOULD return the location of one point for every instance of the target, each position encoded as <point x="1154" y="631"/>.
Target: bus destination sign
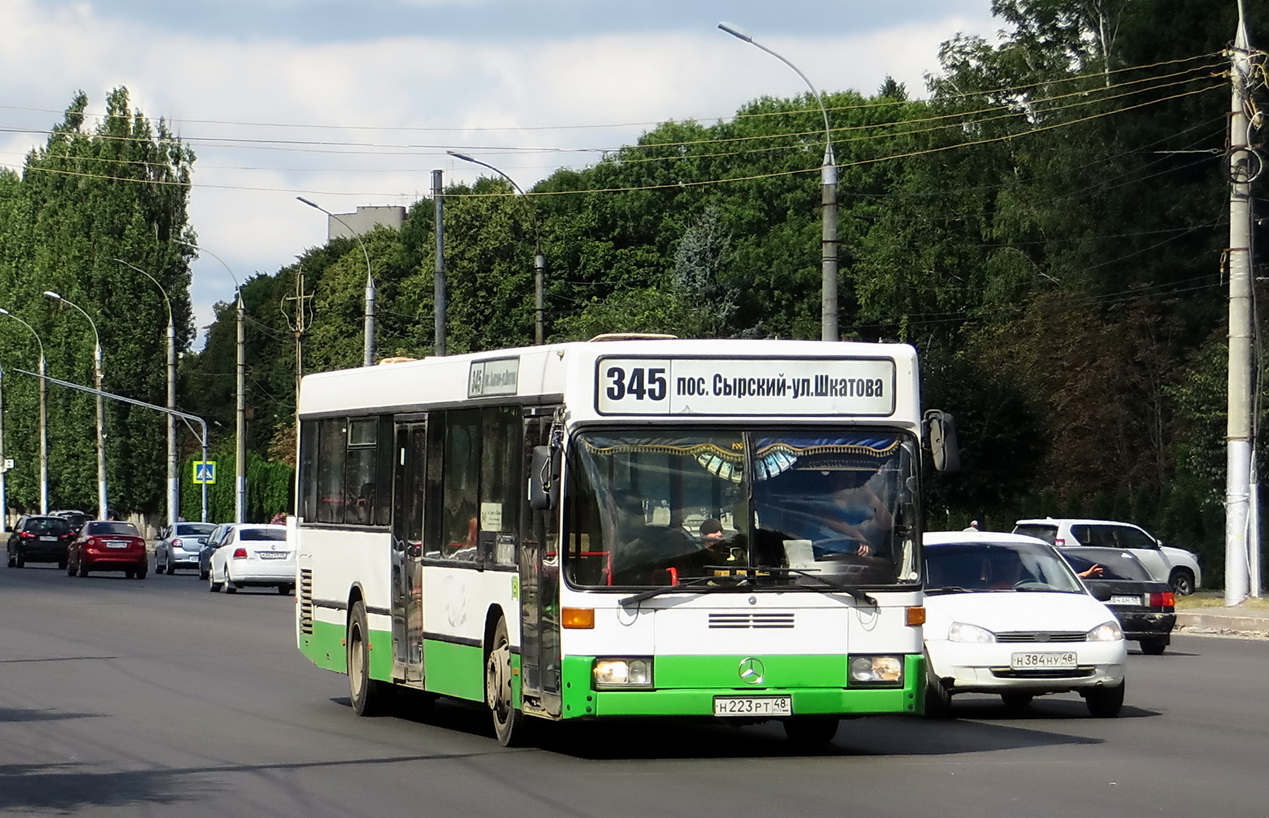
<point x="758" y="386"/>
<point x="491" y="378"/>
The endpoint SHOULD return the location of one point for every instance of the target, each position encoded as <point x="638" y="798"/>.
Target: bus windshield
<point x="648" y="509"/>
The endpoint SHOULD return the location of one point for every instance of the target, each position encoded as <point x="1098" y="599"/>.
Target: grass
<point x="1216" y="599"/>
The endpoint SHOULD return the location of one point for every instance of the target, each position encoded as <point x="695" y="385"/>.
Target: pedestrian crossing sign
<point x="204" y="472"/>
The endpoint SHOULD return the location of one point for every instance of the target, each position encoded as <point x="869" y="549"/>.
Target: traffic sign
<point x="204" y="472"/>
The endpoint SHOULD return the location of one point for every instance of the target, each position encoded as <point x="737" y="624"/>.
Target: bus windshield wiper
<point x="670" y="589"/>
<point x="861" y="596"/>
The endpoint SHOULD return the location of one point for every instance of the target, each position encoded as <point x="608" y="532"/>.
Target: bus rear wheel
<point x="369" y="696"/>
<point x="507" y="720"/>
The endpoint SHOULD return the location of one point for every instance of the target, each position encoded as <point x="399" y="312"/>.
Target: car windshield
<point x="261" y="534"/>
<point x="1115" y="564"/>
<point x="989" y="566"/>
<point x="47" y="525"/>
<point x="788" y="509"/>
<point x="119" y="528"/>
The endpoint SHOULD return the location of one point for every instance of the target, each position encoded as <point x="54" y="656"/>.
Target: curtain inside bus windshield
<point x="651" y="510"/>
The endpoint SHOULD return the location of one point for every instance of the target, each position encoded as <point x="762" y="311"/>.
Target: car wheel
<point x="158" y="566"/>
<point x="129" y="574"/>
<point x="811" y="731"/>
<point x="1153" y="647"/>
<point x="171" y="566"/>
<point x="18" y="562"/>
<point x="1105" y="702"/>
<point x="1182" y="582"/>
<point x="507" y="720"/>
<point x="70" y="569"/>
<point x="141" y="572"/>
<point x="61" y="564"/>
<point x="938" y="699"/>
<point x="202" y="574"/>
<point x="83" y="568"/>
<point x="369" y="696"/>
<point x="227" y="585"/>
<point x="212" y="584"/>
<point x="12" y="561"/>
<point x="1018" y="700"/>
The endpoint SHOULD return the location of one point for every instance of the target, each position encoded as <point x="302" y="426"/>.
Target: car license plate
<point x="116" y="544"/>
<point x="1125" y="600"/>
<point x="272" y="555"/>
<point x="1064" y="660"/>
<point x="753" y="705"/>
<point x="47" y="539"/>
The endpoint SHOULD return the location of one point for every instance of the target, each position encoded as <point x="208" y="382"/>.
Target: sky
<point x="355" y="102"/>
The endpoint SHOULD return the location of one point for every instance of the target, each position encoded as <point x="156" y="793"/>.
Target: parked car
<point x="209" y="548"/>
<point x="1145" y="607"/>
<point x="75" y="517"/>
<point x="179" y="545"/>
<point x="1005" y="614"/>
<point x="108" y="545"/>
<point x="252" y="555"/>
<point x="1175" y="566"/>
<point x="39" y="538"/>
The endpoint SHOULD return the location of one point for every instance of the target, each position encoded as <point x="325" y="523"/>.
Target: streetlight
<point x="539" y="260"/>
<point x="103" y="510"/>
<point x="173" y="490"/>
<point x="240" y="427"/>
<point x="368" y="346"/>
<point x="43" y="416"/>
<point x="828" y="201"/>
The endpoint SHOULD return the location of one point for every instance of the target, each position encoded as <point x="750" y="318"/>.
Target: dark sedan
<point x="1144" y="606"/>
<point x="39" y="538"/>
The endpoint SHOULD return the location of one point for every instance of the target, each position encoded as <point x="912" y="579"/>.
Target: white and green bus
<point x="538" y="529"/>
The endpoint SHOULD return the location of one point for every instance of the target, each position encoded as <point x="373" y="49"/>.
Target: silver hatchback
<point x="179" y="545"/>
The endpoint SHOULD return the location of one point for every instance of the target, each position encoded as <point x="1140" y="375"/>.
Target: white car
<point x="252" y="555"/>
<point x="1005" y="614"/>
<point x="1175" y="566"/>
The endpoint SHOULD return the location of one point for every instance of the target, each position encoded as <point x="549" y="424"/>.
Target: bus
<point x="626" y="527"/>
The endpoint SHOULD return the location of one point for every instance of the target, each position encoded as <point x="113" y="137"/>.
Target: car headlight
<point x="965" y="632"/>
<point x="622" y="673"/>
<point x="1106" y="632"/>
<point x="876" y="670"/>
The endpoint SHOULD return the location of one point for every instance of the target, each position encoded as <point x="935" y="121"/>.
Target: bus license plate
<point x="1125" y="600"/>
<point x="753" y="705"/>
<point x="1044" y="661"/>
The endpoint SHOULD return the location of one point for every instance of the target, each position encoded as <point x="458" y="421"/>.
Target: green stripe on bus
<point x="454" y="670"/>
<point x="688" y="685"/>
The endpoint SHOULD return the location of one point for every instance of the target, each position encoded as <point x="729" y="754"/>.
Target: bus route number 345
<point x="639" y="383"/>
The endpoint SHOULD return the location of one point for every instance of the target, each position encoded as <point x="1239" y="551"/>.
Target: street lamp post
<point x="828" y="202"/>
<point x="43" y="416"/>
<point x="240" y="424"/>
<point x="103" y="509"/>
<point x="539" y="260"/>
<point x="368" y="345"/>
<point x="173" y="485"/>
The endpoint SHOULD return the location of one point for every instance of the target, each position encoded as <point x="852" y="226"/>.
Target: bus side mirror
<point x="941" y="428"/>
<point x="544" y="479"/>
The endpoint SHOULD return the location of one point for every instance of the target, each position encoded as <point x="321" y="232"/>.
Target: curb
<point x="1223" y="623"/>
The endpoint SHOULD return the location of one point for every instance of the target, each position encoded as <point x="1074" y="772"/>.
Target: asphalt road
<point x="155" y="697"/>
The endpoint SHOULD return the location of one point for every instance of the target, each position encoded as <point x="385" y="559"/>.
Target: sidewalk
<point x="1243" y="622"/>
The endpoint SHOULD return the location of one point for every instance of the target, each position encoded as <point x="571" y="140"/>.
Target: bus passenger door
<point x="407" y="552"/>
<point x="539" y="590"/>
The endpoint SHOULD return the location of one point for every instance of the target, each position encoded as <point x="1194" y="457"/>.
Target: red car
<point x="107" y="545"/>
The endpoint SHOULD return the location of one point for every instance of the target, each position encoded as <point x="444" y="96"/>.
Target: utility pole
<point x="298" y="326"/>
<point x="438" y="198"/>
<point x="1242" y="545"/>
<point x="240" y="453"/>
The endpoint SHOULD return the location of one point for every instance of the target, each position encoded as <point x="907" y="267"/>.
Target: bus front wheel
<point x="507" y="720"/>
<point x="369" y="696"/>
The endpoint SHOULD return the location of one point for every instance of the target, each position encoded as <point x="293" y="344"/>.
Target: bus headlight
<point x="622" y="673"/>
<point x="876" y="670"/>
<point x="1106" y="632"/>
